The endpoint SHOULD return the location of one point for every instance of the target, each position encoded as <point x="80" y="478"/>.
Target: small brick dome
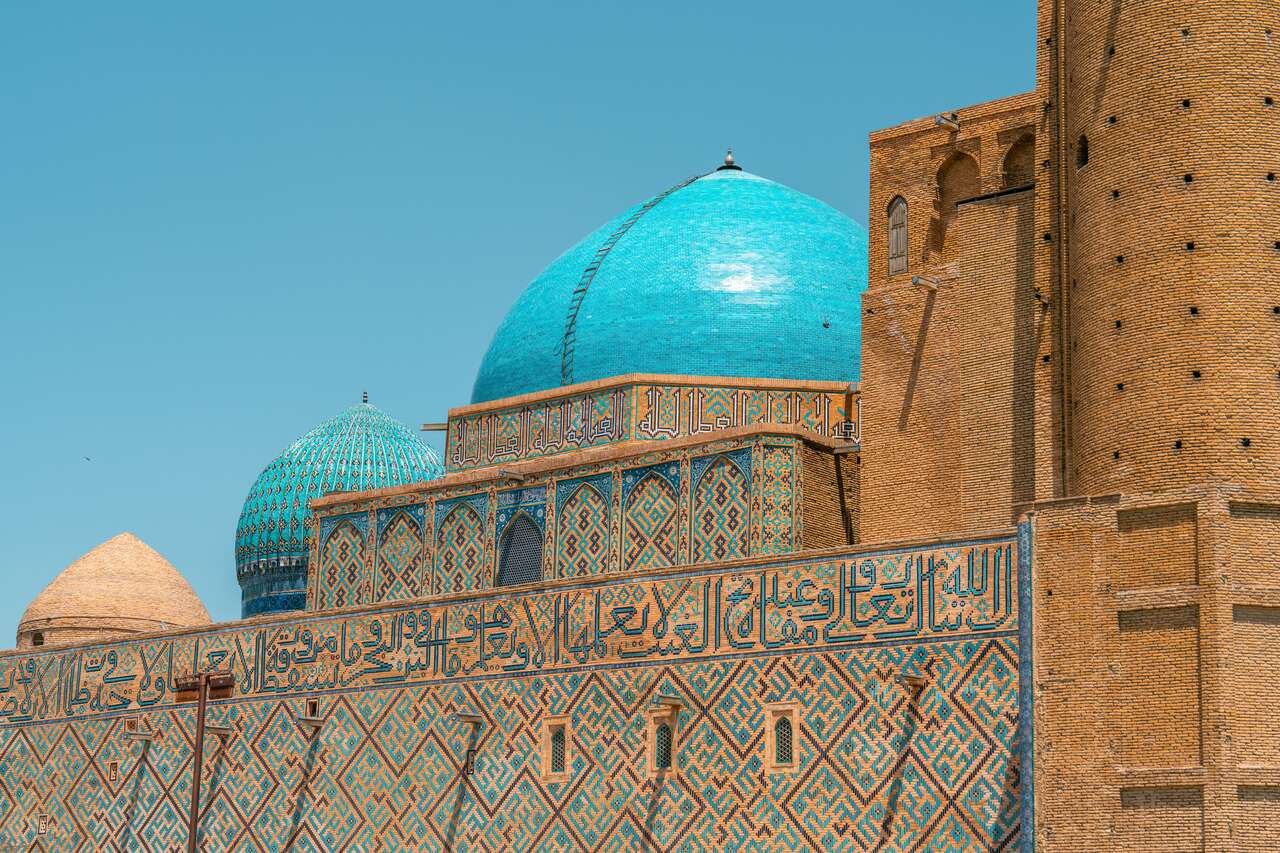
<point x="122" y="587"/>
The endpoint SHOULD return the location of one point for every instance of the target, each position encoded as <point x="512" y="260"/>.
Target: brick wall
<point x="1156" y="623"/>
<point x="828" y="511"/>
<point x="950" y="406"/>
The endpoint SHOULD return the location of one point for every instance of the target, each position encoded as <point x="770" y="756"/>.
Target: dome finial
<point x="364" y="397"/>
<point x="729" y="164"/>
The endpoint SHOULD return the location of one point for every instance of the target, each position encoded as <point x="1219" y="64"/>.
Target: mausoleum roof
<point x="727" y="274"/>
<point x="361" y="448"/>
<point x="120" y="587"/>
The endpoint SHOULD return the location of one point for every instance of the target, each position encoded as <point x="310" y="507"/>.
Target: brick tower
<point x="1166" y="220"/>
<point x="1157" y="576"/>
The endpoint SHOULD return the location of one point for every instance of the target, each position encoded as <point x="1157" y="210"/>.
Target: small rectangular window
<point x="782" y="737"/>
<point x="664" y="740"/>
<point x="556" y="758"/>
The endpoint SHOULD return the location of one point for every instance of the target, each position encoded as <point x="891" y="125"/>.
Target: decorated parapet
<point x="642" y="408"/>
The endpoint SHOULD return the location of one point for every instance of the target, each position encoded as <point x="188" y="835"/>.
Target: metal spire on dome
<point x="364" y="397"/>
<point x="729" y="164"/>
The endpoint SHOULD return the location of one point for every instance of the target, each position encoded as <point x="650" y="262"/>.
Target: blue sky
<point x="220" y="223"/>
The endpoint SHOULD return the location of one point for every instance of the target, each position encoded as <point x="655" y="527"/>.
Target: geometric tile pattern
<point x="344" y="567"/>
<point x="878" y="768"/>
<point x="721" y="511"/>
<point x="583" y="536"/>
<point x="459" y="551"/>
<point x="777" y="496"/>
<point x="879" y="765"/>
<point x="400" y="559"/>
<point x="574" y="422"/>
<point x="650" y="525"/>
<point x="628" y="531"/>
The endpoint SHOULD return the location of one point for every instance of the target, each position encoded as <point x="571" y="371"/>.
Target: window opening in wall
<point x="662" y="747"/>
<point x="782" y="746"/>
<point x="898" y="236"/>
<point x="781" y="727"/>
<point x="555" y="749"/>
<point x="37" y="639"/>
<point x="520" y="552"/>
<point x="1082" y="152"/>
<point x="663" y="735"/>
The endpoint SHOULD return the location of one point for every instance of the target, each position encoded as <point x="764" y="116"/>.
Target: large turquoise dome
<point x="728" y="274"/>
<point x="362" y="448"/>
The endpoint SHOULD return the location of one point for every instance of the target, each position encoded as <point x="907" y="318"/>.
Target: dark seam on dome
<point x="589" y="274"/>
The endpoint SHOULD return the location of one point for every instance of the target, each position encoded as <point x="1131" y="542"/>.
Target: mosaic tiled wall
<point x="710" y="503"/>
<point x="642" y="411"/>
<point x="925" y="762"/>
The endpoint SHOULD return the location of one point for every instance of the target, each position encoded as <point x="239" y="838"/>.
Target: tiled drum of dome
<point x="460" y="550"/>
<point x="721" y="507"/>
<point x="582" y="528"/>
<point x="650" y="518"/>
<point x="400" y="554"/>
<point x="343" y="557"/>
<point x="641" y="411"/>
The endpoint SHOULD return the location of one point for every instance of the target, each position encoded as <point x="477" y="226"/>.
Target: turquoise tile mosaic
<point x="729" y="274"/>
<point x="361" y="448"/>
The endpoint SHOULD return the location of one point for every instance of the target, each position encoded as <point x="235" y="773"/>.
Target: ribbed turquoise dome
<point x="362" y="448"/>
<point x="727" y="275"/>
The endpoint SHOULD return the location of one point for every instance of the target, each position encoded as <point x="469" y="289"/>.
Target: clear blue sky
<point x="220" y="223"/>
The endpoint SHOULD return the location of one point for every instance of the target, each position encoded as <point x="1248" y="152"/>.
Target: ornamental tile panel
<point x="878" y="767"/>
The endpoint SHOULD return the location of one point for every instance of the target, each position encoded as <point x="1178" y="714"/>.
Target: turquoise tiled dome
<point x="729" y="274"/>
<point x="362" y="448"/>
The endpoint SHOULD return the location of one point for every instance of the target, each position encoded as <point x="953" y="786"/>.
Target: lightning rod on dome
<point x="729" y="163"/>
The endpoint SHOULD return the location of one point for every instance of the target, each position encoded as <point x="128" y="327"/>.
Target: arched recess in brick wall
<point x="958" y="179"/>
<point x="721" y="513"/>
<point x="459" y="552"/>
<point x="582" y="534"/>
<point x="650" y="535"/>
<point x="1020" y="163"/>
<point x="342" y="564"/>
<point x="400" y="560"/>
